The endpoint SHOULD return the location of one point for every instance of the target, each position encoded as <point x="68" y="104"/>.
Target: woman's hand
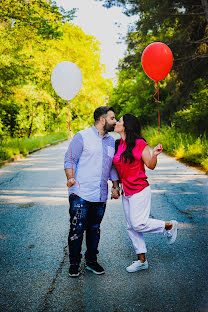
<point x="115" y="193"/>
<point x="70" y="182"/>
<point x="157" y="150"/>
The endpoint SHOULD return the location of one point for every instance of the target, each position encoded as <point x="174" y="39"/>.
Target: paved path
<point x="33" y="237"/>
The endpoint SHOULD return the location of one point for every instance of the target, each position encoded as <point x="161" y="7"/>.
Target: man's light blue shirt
<point x="91" y="156"/>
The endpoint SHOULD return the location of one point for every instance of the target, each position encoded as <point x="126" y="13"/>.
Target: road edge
<point x="20" y="156"/>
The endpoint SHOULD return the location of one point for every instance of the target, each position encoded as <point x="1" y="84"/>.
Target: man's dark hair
<point x="102" y="110"/>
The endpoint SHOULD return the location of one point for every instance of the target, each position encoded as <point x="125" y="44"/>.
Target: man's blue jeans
<point x="84" y="215"/>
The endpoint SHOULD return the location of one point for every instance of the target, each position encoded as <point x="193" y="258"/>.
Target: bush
<point x="195" y="115"/>
<point x="184" y="146"/>
<point x="13" y="146"/>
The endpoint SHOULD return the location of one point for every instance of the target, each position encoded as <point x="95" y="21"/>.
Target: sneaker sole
<point x="98" y="273"/>
<point x="74" y="275"/>
<point x="172" y="239"/>
<point x="139" y="269"/>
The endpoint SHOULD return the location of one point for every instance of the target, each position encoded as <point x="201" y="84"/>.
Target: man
<point x="88" y="166"/>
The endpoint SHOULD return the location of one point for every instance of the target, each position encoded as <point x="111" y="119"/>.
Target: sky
<point x="106" y="25"/>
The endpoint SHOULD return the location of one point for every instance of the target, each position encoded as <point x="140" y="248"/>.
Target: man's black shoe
<point x="74" y="270"/>
<point x="95" y="268"/>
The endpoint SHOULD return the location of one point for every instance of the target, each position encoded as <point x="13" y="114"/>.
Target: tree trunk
<point x="205" y="7"/>
<point x="30" y="128"/>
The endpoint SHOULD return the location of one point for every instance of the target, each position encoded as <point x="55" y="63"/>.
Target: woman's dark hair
<point x="133" y="132"/>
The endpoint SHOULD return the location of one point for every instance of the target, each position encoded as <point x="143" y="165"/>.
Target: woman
<point x="129" y="160"/>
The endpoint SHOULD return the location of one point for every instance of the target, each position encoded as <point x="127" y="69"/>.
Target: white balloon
<point x="66" y="79"/>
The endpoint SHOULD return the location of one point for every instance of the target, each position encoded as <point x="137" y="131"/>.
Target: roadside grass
<point x="11" y="147"/>
<point x="183" y="146"/>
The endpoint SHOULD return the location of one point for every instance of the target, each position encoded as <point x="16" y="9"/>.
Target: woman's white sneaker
<point x="137" y="266"/>
<point x="173" y="232"/>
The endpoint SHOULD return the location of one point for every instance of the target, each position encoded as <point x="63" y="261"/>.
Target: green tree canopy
<point x="182" y="25"/>
<point x="40" y="16"/>
<point x="28" y="54"/>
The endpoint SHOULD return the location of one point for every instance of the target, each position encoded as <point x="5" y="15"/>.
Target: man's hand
<point x="115" y="193"/>
<point x="70" y="182"/>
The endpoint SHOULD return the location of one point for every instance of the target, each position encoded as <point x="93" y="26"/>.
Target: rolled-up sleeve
<point x="73" y="152"/>
<point x="114" y="174"/>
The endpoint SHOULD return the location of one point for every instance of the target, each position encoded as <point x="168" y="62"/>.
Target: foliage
<point x="34" y="37"/>
<point x="40" y="16"/>
<point x="194" y="115"/>
<point x="134" y="95"/>
<point x="182" y="25"/>
<point x="184" y="146"/>
<point x="14" y="146"/>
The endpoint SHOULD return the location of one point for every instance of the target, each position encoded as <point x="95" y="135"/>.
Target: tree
<point x="41" y="17"/>
<point x="23" y="24"/>
<point x="182" y="25"/>
<point x="28" y="103"/>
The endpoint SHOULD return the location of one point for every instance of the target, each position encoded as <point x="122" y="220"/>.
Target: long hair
<point x="133" y="132"/>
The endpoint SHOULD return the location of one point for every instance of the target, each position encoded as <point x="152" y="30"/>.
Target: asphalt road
<point x="34" y="227"/>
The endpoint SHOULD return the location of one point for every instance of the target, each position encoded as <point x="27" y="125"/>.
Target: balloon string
<point x="157" y="100"/>
<point x="69" y="124"/>
<point x="69" y="128"/>
<point x="71" y="149"/>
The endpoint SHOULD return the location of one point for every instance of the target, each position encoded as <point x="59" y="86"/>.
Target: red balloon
<point x="157" y="60"/>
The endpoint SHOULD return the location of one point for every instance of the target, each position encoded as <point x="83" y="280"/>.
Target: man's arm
<point x="72" y="157"/>
<point x="69" y="173"/>
<point x="70" y="177"/>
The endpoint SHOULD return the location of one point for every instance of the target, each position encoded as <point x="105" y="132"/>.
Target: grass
<point x="13" y="146"/>
<point x="184" y="146"/>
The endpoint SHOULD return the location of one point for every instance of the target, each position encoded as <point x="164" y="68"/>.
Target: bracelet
<point x="117" y="188"/>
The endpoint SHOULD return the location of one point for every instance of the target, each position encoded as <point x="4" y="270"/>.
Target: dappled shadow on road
<point x="34" y="226"/>
<point x="52" y="157"/>
<point x="34" y="229"/>
<point x="37" y="190"/>
<point x="39" y="178"/>
<point x="8" y="202"/>
<point x="183" y="188"/>
<point x="40" y="195"/>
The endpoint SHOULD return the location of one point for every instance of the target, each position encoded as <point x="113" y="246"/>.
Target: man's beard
<point x="108" y="128"/>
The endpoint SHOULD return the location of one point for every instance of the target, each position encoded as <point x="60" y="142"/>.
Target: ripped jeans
<point x="84" y="215"/>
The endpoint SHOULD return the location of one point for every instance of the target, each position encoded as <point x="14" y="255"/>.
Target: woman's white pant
<point x="137" y="211"/>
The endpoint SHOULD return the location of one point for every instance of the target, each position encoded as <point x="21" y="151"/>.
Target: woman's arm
<point x="151" y="160"/>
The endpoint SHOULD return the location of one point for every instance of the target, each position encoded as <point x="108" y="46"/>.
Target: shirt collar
<point x="98" y="133"/>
